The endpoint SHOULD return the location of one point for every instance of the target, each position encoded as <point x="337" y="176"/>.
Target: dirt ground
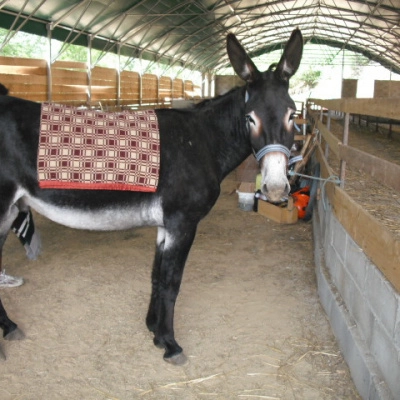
<point x="248" y="316"/>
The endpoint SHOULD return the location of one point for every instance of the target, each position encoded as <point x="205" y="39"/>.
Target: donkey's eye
<point x="292" y="116"/>
<point x="250" y="119"/>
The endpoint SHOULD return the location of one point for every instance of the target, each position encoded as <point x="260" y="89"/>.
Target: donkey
<point x="199" y="146"/>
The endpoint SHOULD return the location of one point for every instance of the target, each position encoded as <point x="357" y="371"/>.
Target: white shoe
<point x="9" y="281"/>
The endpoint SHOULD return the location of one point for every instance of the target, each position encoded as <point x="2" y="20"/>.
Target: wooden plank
<point x="78" y="89"/>
<point x="130" y="79"/>
<point x="129" y="102"/>
<point x="381" y="170"/>
<point x="377" y="241"/>
<point x="129" y="74"/>
<point x="18" y="61"/>
<point x="69" y="76"/>
<point x="103" y="74"/>
<point x="188" y="85"/>
<point x="177" y="89"/>
<point x="69" y="65"/>
<point x="330" y="138"/>
<point x="381" y="107"/>
<point x="103" y="96"/>
<point x="299" y="137"/>
<point x="374" y="239"/>
<point x="326" y="172"/>
<point x="30" y="92"/>
<point x="40" y="97"/>
<point x="62" y="97"/>
<point x="22" y="70"/>
<point x="130" y="95"/>
<point x="25" y="80"/>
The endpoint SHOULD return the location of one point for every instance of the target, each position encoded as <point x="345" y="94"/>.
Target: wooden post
<point x="140" y="89"/>
<point x="158" y="89"/>
<point x="345" y="142"/>
<point x="328" y="126"/>
<point x="48" y="65"/>
<point x="89" y="71"/>
<point x="119" y="76"/>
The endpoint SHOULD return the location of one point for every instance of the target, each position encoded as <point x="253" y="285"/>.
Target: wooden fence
<point x="72" y="83"/>
<point x="378" y="243"/>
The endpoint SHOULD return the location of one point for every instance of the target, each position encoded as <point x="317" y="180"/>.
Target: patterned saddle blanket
<point x="89" y="149"/>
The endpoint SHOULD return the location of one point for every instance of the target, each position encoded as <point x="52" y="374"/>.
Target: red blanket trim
<point x="95" y="186"/>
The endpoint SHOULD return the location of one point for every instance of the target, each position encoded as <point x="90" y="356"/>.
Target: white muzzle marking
<point x="273" y="160"/>
<point x="274" y="182"/>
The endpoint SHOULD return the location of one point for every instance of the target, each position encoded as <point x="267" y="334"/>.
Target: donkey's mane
<point x="211" y="103"/>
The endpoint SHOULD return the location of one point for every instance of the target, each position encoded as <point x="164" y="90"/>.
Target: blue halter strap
<point x="270" y="148"/>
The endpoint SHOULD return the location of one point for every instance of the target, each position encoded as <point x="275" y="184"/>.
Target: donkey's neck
<point x="228" y="134"/>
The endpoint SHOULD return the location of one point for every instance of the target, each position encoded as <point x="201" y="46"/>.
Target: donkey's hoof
<point x="16" y="334"/>
<point x="177" y="359"/>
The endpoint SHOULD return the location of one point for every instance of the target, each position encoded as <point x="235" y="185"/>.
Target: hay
<point x="380" y="201"/>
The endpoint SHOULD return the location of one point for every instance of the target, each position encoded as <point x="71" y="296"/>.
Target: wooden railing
<point x="72" y="83"/>
<point x="376" y="240"/>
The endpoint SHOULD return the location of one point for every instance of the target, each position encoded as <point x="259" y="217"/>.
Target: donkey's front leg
<point x="173" y="247"/>
<point x="10" y="329"/>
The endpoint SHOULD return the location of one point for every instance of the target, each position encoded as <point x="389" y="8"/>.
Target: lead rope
<point x="332" y="178"/>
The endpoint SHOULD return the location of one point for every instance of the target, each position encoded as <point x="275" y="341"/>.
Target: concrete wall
<point x="362" y="306"/>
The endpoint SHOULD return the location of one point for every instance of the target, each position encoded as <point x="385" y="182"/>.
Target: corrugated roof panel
<point x="192" y="32"/>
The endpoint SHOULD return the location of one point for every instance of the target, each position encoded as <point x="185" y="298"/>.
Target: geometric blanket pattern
<point x="88" y="149"/>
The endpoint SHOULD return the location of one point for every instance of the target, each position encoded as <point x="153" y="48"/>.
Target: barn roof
<point x="192" y="33"/>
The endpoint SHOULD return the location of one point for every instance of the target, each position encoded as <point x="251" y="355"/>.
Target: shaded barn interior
<point x="355" y="249"/>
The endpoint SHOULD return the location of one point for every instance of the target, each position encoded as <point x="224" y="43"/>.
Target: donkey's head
<point x="269" y="111"/>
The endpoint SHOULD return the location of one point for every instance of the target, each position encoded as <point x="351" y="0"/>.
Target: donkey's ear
<point x="291" y="57"/>
<point x="240" y="61"/>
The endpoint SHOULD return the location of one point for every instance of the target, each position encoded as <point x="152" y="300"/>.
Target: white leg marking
<point x="169" y="240"/>
<point x="161" y="233"/>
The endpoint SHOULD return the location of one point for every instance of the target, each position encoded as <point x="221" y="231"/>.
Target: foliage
<point x="305" y="81"/>
<point x="22" y="45"/>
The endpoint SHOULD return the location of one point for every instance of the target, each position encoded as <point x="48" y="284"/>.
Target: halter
<point x="270" y="148"/>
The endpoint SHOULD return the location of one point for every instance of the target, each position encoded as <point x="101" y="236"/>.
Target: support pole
<point x="342" y="175"/>
<point x="158" y="89"/>
<point x="48" y="64"/>
<point x="119" y="76"/>
<point x="89" y="71"/>
<point x="328" y="125"/>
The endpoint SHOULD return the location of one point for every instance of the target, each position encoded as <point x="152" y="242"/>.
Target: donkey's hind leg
<point x="8" y="212"/>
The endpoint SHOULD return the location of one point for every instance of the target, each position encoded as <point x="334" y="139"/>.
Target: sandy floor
<point x="248" y="316"/>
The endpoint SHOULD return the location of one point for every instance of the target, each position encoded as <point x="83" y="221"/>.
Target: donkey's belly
<point x="109" y="217"/>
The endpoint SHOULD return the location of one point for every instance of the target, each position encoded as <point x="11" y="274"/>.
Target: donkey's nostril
<point x="264" y="188"/>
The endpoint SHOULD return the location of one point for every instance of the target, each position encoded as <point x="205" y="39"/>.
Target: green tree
<point x="307" y="80"/>
<point x="22" y="45"/>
